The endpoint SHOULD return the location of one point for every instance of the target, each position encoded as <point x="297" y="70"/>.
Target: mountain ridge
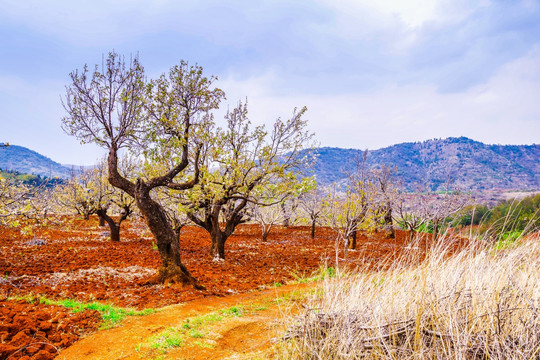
<point x="23" y="160"/>
<point x="467" y="163"/>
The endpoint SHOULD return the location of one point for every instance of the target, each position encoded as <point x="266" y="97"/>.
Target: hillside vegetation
<point x="468" y="164"/>
<point x="26" y="161"/>
<point x="509" y="219"/>
<point x="28" y="179"/>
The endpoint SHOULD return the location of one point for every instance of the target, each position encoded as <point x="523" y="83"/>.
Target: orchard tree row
<point x="369" y="200"/>
<point x="172" y="162"/>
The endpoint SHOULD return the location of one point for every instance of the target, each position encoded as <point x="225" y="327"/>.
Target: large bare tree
<point x="164" y="120"/>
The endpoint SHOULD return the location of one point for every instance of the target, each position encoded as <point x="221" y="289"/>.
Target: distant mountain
<point x="24" y="160"/>
<point x="469" y="164"/>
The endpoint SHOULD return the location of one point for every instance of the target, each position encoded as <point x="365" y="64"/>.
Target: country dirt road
<point x="246" y="335"/>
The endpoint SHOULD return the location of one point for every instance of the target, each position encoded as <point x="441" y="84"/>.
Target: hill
<point x="23" y="160"/>
<point x="469" y="164"/>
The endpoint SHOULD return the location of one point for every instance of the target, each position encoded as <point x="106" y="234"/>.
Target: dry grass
<point x="481" y="303"/>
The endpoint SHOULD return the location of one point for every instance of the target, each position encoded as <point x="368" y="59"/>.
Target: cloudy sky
<point x="371" y="72"/>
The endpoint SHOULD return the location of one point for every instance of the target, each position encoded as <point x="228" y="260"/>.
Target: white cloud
<point x="412" y="12"/>
<point x="503" y="110"/>
<point x="103" y="22"/>
<point x="31" y="117"/>
<point x="370" y="71"/>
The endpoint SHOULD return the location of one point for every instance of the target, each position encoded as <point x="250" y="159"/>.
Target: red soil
<point x="38" y="331"/>
<point x="79" y="262"/>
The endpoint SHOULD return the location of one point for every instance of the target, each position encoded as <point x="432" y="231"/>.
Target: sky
<point x="372" y="73"/>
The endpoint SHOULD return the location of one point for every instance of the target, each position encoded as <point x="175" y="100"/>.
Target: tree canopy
<point x="168" y="122"/>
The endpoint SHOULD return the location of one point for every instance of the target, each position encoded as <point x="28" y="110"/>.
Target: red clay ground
<point x="38" y="332"/>
<point x="78" y="261"/>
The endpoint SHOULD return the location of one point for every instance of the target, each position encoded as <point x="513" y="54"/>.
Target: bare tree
<point x="438" y="207"/>
<point x="164" y="120"/>
<point x="427" y="208"/>
<point x="408" y="210"/>
<point x="288" y="209"/>
<point x="83" y="193"/>
<point x="41" y="203"/>
<point x="386" y="195"/>
<point x="267" y="217"/>
<point x="13" y="197"/>
<point x="90" y="193"/>
<point x="245" y="165"/>
<point x="116" y="201"/>
<point x="24" y="206"/>
<point x="345" y="212"/>
<point x="311" y="203"/>
<point x="361" y="190"/>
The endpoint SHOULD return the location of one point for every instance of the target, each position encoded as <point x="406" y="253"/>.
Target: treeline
<point x="507" y="217"/>
<point x="29" y="179"/>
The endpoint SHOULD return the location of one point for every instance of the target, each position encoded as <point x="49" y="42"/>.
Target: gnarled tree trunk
<point x="172" y="270"/>
<point x="113" y="226"/>
<point x="313" y="221"/>
<point x="265" y="233"/>
<point x="210" y="223"/>
<point x="178" y="230"/>
<point x="217" y="249"/>
<point x="219" y="237"/>
<point x="435" y="229"/>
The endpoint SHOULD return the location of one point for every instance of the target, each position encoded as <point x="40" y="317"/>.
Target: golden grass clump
<point x="479" y="303"/>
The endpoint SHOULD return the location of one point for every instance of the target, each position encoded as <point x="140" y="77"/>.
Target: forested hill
<point x="23" y="160"/>
<point x="469" y="164"/>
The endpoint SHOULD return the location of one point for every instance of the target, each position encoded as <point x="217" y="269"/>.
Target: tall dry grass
<point x="480" y="303"/>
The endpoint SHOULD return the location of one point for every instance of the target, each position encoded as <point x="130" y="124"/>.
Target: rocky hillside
<point x="23" y="160"/>
<point x="469" y="164"/>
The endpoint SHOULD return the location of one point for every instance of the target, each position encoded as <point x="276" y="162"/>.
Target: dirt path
<point x="234" y="327"/>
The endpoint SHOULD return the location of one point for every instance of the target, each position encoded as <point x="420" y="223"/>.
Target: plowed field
<point x="74" y="259"/>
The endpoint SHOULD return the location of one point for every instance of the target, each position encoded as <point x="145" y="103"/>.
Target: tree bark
<point x="313" y="229"/>
<point x="388" y="220"/>
<point x="113" y="226"/>
<point x="217" y="250"/>
<point x="411" y="235"/>
<point x="210" y="223"/>
<point x="178" y="231"/>
<point x="435" y="230"/>
<point x="219" y="237"/>
<point x="353" y="239"/>
<point x="172" y="271"/>
<point x="101" y="221"/>
<point x="286" y="216"/>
